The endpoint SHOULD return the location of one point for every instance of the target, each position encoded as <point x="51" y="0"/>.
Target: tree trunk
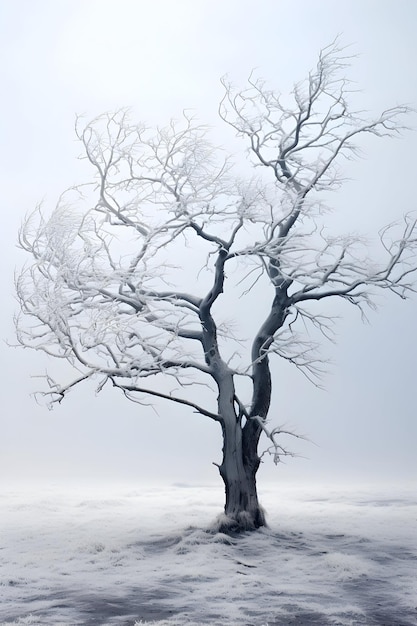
<point x="240" y="462"/>
<point x="238" y="471"/>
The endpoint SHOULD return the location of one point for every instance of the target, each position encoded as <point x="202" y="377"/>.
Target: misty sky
<point x="62" y="57"/>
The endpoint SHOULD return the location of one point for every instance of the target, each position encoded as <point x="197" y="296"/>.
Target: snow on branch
<point x="354" y="277"/>
<point x="128" y="273"/>
<point x="300" y="138"/>
<point x="276" y="450"/>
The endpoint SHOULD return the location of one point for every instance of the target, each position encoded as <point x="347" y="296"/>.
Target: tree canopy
<point x="112" y="290"/>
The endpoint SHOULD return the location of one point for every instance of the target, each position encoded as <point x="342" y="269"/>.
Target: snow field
<point x="143" y="555"/>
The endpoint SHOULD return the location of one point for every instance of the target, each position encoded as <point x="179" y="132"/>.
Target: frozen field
<point x="125" y="556"/>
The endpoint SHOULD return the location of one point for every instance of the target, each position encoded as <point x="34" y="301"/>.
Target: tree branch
<point x="158" y="394"/>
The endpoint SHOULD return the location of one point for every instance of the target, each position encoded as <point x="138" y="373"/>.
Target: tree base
<point x="241" y="522"/>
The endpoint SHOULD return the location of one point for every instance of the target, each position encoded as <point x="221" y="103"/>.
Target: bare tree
<point x="109" y="292"/>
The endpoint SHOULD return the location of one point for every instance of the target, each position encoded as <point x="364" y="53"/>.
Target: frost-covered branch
<point x="131" y="390"/>
<point x="127" y="275"/>
<point x="276" y="450"/>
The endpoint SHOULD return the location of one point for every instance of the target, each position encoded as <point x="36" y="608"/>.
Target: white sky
<point x="62" y="57"/>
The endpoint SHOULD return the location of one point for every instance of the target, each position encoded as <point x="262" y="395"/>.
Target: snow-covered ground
<point x="125" y="556"/>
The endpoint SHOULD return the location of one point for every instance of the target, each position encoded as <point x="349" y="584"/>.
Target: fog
<point x="63" y="58"/>
<point x="138" y="556"/>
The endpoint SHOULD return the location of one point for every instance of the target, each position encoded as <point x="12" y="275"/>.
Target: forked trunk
<point x="238" y="471"/>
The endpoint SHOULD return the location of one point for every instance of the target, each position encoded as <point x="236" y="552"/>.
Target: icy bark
<point x="238" y="468"/>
